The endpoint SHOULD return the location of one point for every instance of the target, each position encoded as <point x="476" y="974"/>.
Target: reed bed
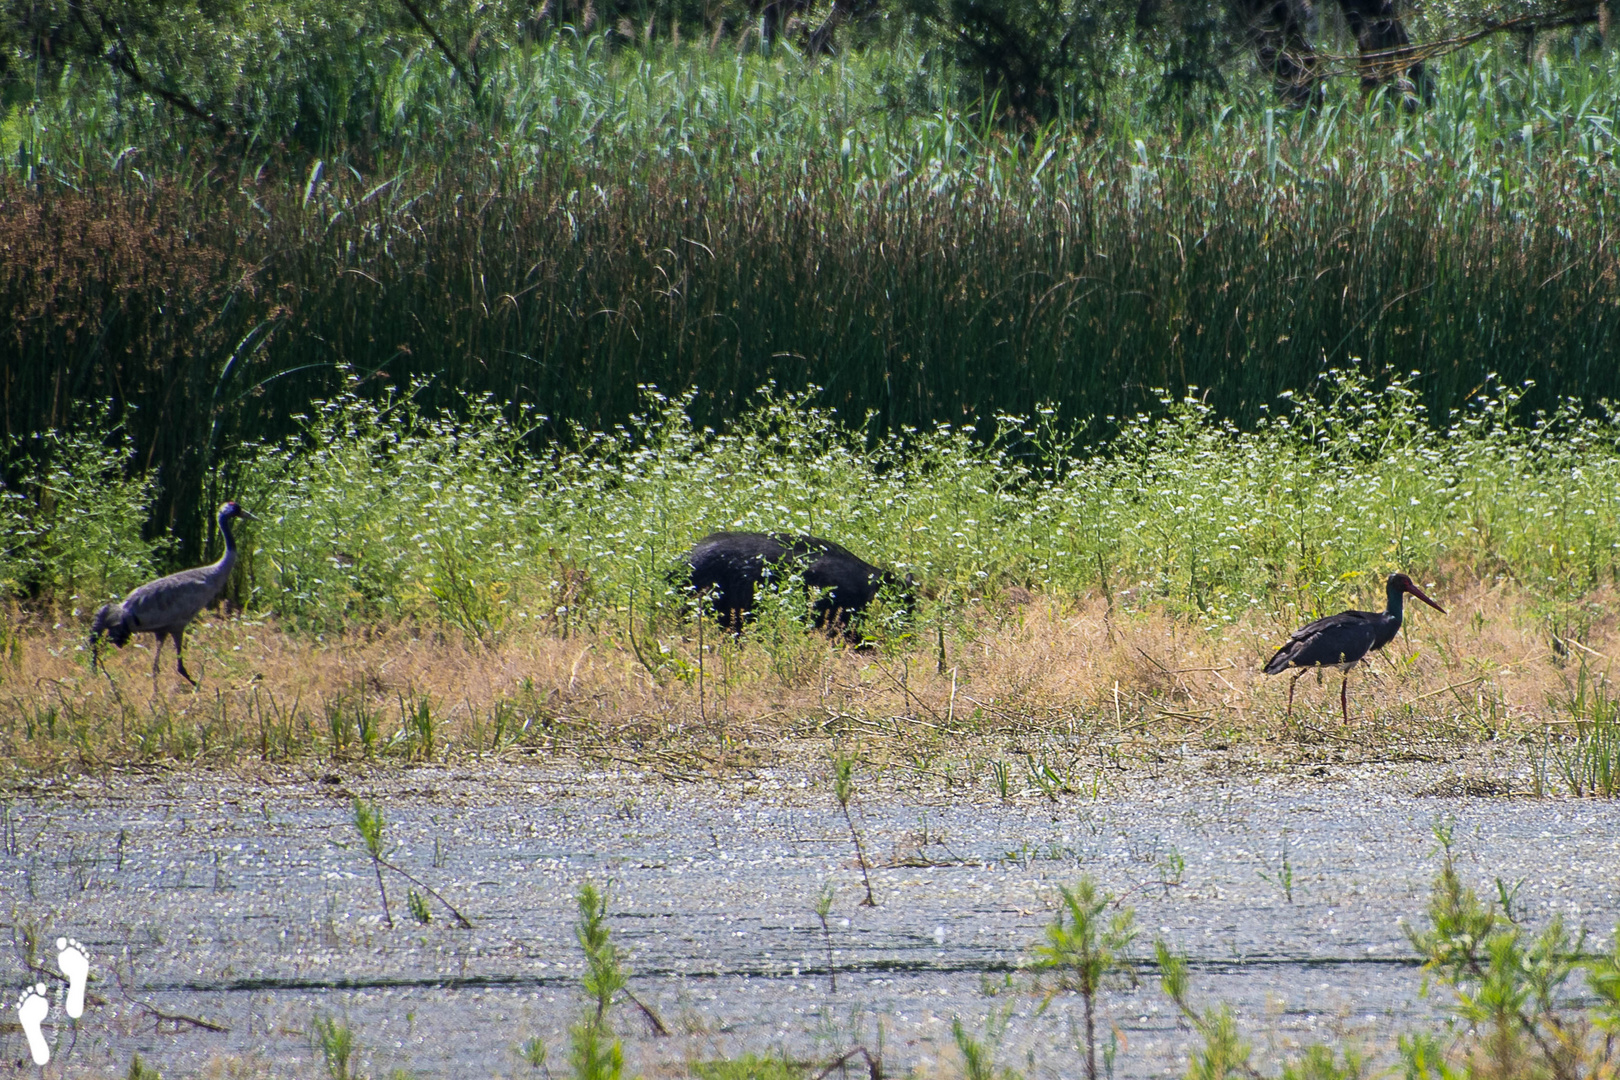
<point x="484" y="378"/>
<point x="681" y="218"/>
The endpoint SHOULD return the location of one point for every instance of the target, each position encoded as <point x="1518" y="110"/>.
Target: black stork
<point x="1345" y="639"/>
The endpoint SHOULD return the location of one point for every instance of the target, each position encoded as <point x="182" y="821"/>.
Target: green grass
<point x="691" y="218"/>
<point x="379" y="511"/>
<point x="1587" y="757"/>
<point x="1184" y="510"/>
<point x="335" y="1041"/>
<point x="749" y="1067"/>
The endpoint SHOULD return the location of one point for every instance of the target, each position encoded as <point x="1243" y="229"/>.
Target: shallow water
<point x="250" y="904"/>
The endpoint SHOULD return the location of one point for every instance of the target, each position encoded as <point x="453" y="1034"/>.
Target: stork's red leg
<point x="1291" y="684"/>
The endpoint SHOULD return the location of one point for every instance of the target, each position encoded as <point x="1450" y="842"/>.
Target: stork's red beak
<point x="1412" y="588"/>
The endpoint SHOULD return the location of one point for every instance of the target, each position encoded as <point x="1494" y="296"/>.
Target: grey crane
<point x="164" y="607"/>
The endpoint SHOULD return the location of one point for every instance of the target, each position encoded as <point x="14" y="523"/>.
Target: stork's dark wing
<point x="1343" y="618"/>
<point x="1336" y="639"/>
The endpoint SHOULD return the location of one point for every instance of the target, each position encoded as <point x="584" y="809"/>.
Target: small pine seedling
<point x="594" y="1053"/>
<point x="368" y="821"/>
<point x="844" y="791"/>
<point x="1082" y="949"/>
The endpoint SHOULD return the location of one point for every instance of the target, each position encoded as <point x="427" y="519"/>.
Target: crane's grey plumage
<point x="164" y="607"/>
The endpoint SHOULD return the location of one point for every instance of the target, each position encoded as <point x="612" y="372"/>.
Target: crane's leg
<point x="180" y="663"/>
<point x="1291" y="684"/>
<point x="161" y="634"/>
<point x="1344" y="699"/>
<point x="95" y="660"/>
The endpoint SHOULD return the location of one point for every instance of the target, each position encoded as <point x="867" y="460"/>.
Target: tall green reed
<point x="681" y="217"/>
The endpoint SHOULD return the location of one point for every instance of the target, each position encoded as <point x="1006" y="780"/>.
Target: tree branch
<point x="1389" y="61"/>
<point x="473" y="80"/>
<point x="120" y="58"/>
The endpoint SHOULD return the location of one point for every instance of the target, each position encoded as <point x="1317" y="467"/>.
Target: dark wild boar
<point x="728" y="566"/>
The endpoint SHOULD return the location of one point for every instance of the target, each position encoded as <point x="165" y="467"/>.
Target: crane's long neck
<point x="222" y="568"/>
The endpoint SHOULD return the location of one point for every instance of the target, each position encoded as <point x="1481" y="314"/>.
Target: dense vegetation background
<point x="214" y="217"/>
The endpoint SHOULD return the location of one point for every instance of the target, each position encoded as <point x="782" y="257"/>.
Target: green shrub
<point x="384" y="509"/>
<point x="750" y="1067"/>
<point x="377" y="509"/>
<point x="71" y="521"/>
<point x="1509" y="987"/>
<point x="595" y="1053"/>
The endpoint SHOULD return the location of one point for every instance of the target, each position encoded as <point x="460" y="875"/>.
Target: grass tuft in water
<point x="368" y="822"/>
<point x="750" y="1067"/>
<point x="978" y="1055"/>
<point x="335" y="1041"/>
<point x="844" y="791"/>
<point x="140" y="1070"/>
<point x="534" y="1052"/>
<point x="1587" y="755"/>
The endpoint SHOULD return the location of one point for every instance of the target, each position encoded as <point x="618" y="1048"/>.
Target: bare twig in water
<point x="162" y="1016"/>
<point x="874" y="1063"/>
<point x="461" y="920"/>
<point x="652" y="1017"/>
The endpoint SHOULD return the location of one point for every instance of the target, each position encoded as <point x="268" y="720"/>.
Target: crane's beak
<point x="243" y="513"/>
<point x="1421" y="595"/>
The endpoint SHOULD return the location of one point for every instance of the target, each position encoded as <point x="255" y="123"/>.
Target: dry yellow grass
<point x="1017" y="677"/>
